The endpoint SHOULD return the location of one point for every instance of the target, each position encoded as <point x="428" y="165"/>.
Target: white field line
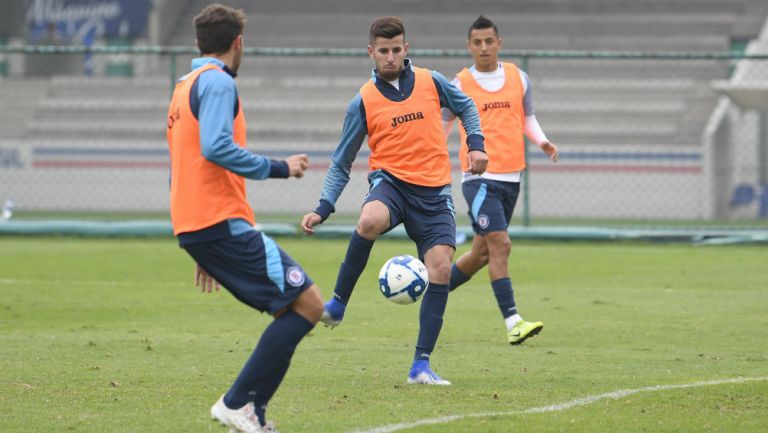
<point x="558" y="407"/>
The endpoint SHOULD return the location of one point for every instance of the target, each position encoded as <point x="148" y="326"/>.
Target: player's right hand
<point x="206" y="282"/>
<point x="297" y="164"/>
<point x="309" y="221"/>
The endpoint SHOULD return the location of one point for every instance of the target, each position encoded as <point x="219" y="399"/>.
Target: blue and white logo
<point x="295" y="276"/>
<point x="483" y="221"/>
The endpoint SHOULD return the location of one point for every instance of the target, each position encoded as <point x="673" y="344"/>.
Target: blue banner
<point x="81" y="21"/>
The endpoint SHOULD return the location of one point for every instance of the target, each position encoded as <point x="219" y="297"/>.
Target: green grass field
<point x="112" y="336"/>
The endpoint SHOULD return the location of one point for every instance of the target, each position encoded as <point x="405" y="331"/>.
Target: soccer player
<point x="399" y="109"/>
<point x="214" y="223"/>
<point x="502" y="93"/>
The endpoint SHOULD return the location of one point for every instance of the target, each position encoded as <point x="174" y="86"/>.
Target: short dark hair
<point x="216" y="26"/>
<point x="482" y="23"/>
<point x="386" y="27"/>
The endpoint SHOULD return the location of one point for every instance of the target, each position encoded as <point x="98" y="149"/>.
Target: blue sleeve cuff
<point x="476" y="142"/>
<point x="279" y="169"/>
<point x="324" y="209"/>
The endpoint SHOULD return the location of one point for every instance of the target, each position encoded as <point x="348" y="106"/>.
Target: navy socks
<point x="430" y="320"/>
<point x="264" y="371"/>
<point x="505" y="297"/>
<point x="358" y="251"/>
<point x="502" y="289"/>
<point x="267" y="390"/>
<point x="457" y="277"/>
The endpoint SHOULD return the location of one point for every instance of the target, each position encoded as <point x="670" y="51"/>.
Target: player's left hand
<point x="206" y="282"/>
<point x="477" y="161"/>
<point x="297" y="164"/>
<point x="550" y="149"/>
<point x="309" y="221"/>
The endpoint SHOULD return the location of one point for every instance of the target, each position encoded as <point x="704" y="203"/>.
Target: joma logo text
<point x="492" y="105"/>
<point x="407" y="118"/>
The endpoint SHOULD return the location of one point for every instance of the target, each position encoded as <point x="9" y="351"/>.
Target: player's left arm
<point x="532" y="128"/>
<point x="448" y="115"/>
<point x="218" y="97"/>
<point x="464" y="107"/>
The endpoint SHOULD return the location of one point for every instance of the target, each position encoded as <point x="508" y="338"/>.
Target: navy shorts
<point x="427" y="214"/>
<point x="253" y="268"/>
<point x="491" y="203"/>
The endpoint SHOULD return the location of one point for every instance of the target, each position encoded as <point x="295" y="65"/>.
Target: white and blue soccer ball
<point x="403" y="279"/>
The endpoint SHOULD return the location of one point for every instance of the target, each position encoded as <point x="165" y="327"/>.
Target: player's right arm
<point x="352" y="136"/>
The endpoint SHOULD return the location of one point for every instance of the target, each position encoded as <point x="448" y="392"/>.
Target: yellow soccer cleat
<point x="524" y="330"/>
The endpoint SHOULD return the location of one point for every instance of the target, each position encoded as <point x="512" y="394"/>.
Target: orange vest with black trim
<point x="406" y="138"/>
<point x="202" y="193"/>
<point x="503" y="118"/>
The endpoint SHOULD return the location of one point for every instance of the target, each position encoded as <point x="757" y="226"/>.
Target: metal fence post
<point x="526" y="189"/>
<point x="173" y="72"/>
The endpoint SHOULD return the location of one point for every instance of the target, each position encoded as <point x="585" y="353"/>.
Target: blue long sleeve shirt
<point x="355" y="129"/>
<point x="214" y="101"/>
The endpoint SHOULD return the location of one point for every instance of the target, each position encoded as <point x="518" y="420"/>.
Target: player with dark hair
<point x="502" y="93"/>
<point x="399" y="109"/>
<point x="214" y="223"/>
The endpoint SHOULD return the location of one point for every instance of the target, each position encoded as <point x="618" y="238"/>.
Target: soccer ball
<point x="403" y="279"/>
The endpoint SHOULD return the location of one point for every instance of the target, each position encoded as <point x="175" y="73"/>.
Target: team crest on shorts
<point x="483" y="221"/>
<point x="295" y="276"/>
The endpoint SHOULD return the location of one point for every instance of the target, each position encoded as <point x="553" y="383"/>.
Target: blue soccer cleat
<point x="333" y="313"/>
<point x="421" y="374"/>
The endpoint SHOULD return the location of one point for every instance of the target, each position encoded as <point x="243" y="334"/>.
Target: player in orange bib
<point x="502" y="93"/>
<point x="399" y="110"/>
<point x="213" y="221"/>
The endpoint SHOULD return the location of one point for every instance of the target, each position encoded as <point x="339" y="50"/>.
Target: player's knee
<point x="309" y="304"/>
<point x="440" y="271"/>
<point x="499" y="246"/>
<point x="502" y="250"/>
<point x="479" y="252"/>
<point x="371" y="226"/>
<point x="314" y="311"/>
<point x="311" y="312"/>
<point x="482" y="256"/>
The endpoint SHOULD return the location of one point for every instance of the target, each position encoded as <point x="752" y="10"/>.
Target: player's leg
<point x="499" y="248"/>
<point x="308" y="306"/>
<point x="257" y="272"/>
<point x="431" y="224"/>
<point x="499" y="207"/>
<point x="376" y="218"/>
<point x="476" y="194"/>
<point x="438" y="261"/>
<point x="469" y="263"/>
